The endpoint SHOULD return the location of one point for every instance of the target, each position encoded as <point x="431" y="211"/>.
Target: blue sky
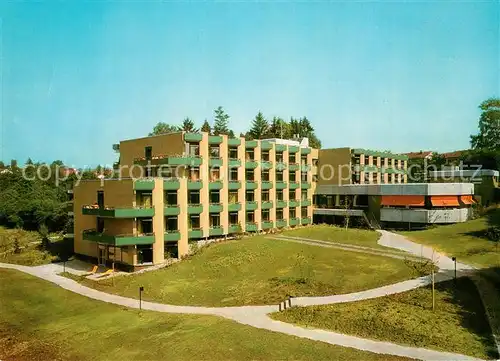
<point x="78" y="77"/>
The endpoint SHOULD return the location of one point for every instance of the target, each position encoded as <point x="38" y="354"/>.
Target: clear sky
<point x="78" y="77"/>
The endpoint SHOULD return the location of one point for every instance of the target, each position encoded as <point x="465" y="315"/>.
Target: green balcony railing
<point x="280" y="223"/>
<point x="267" y="204"/>
<point x="251" y="206"/>
<point x="215" y="231"/>
<point x="305" y="203"/>
<point x="234" y="163"/>
<point x="234" y="207"/>
<point x="294" y="221"/>
<point x="293" y="203"/>
<point x="293" y="185"/>
<point x="251" y="164"/>
<point x="306" y="221"/>
<point x="293" y="167"/>
<point x="281" y="185"/>
<point x="234" y="185"/>
<point x="234" y="228"/>
<point x="195" y="233"/>
<point x="251" y="143"/>
<point x="184" y="160"/>
<point x="305" y="185"/>
<point x="118" y="240"/>
<point x="250" y="185"/>
<point x="171" y="210"/>
<point x="144" y="184"/>
<point x="266" y="164"/>
<point x="193" y="137"/>
<point x="280" y="204"/>
<point x="280" y="147"/>
<point x="234" y="142"/>
<point x="171" y="236"/>
<point x="215" y="185"/>
<point x="195" y="208"/>
<point x="171" y="184"/>
<point x="251" y="227"/>
<point x="214" y="139"/>
<point x="195" y="185"/>
<point x="215" y="208"/>
<point x="267" y="225"/>
<point x="265" y="145"/>
<point x="305" y="168"/>
<point x="119" y="212"/>
<point x="305" y="150"/>
<point x="293" y="149"/>
<point x="266" y="185"/>
<point x="215" y="162"/>
<point x="280" y="165"/>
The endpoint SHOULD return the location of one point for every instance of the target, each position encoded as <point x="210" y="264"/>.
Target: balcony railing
<point x="171" y="210"/>
<point x="109" y="212"/>
<point x="234" y="207"/>
<point x="186" y="160"/>
<point x="215" y="208"/>
<point x="280" y="223"/>
<point x="195" y="208"/>
<point x="267" y="204"/>
<point x="250" y="185"/>
<point x="118" y="240"/>
<point x="215" y="231"/>
<point x="234" y="185"/>
<point x="251" y="206"/>
<point x="195" y="233"/>
<point x="171" y="235"/>
<point x="251" y="227"/>
<point x="215" y="184"/>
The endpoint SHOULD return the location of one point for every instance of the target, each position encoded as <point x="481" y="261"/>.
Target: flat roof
<point x="398" y="189"/>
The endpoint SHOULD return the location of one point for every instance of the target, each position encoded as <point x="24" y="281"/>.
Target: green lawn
<point x="40" y="321"/>
<point x="258" y="270"/>
<point x="457" y="325"/>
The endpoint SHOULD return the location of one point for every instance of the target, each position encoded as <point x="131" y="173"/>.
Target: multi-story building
<point x="182" y="187"/>
<point x="343" y="166"/>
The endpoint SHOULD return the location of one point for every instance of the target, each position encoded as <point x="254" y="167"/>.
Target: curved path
<point x="257" y="316"/>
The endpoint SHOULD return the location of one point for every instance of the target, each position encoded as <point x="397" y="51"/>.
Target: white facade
<point x="455" y="215"/>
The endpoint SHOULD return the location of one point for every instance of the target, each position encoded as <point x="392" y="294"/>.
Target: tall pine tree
<point x="221" y="121"/>
<point x="206" y="127"/>
<point x="260" y="127"/>
<point x="188" y="126"/>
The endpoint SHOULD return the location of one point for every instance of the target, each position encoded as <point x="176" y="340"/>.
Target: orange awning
<point x="414" y="201"/>
<point x="467" y="199"/>
<point x="445" y="201"/>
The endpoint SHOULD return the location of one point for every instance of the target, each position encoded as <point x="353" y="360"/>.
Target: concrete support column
<point x="257" y="178"/>
<point x="224" y="192"/>
<point x="158" y="222"/>
<point x="182" y="218"/>
<point x="272" y="180"/>
<point x="205" y="179"/>
<point x="241" y="191"/>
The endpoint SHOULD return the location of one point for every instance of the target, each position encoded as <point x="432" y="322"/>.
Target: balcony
<point x="266" y="164"/>
<point x="251" y="206"/>
<point x="144" y="184"/>
<point x="171" y="236"/>
<point x="267" y="204"/>
<point x="215" y="185"/>
<point x="214" y="139"/>
<point x="233" y="163"/>
<point x="266" y="145"/>
<point x="251" y="164"/>
<point x="293" y="167"/>
<point x="294" y="221"/>
<point x="280" y="166"/>
<point x="305" y="168"/>
<point x="171" y="210"/>
<point x="267" y="225"/>
<point x="234" y="142"/>
<point x="280" y="204"/>
<point x="280" y="147"/>
<point x="251" y="185"/>
<point x="305" y="150"/>
<point x="215" y="162"/>
<point x="215" y="231"/>
<point x="234" y="228"/>
<point x="195" y="208"/>
<point x="193" y="137"/>
<point x="305" y="185"/>
<point x="305" y="221"/>
<point x="234" y="207"/>
<point x="293" y="185"/>
<point x="251" y="227"/>
<point x="293" y="149"/>
<point x="118" y="212"/>
<point x="171" y="184"/>
<point x="215" y="208"/>
<point x="280" y="223"/>
<point x="266" y="185"/>
<point x="185" y="160"/>
<point x="294" y="203"/>
<point x="118" y="240"/>
<point x="251" y="144"/>
<point x="195" y="185"/>
<point x="234" y="185"/>
<point x="305" y="203"/>
<point x="281" y="185"/>
<point x="195" y="233"/>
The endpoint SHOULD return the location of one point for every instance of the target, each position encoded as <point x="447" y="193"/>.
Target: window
<point x="249" y="154"/>
<point x="265" y="175"/>
<point x="303" y="212"/>
<point x="214" y="220"/>
<point x="194" y="221"/>
<point x="148" y="152"/>
<point x="233" y="153"/>
<point x="171" y="223"/>
<point x="215" y="174"/>
<point x="292" y="158"/>
<point x="249" y="175"/>
<point x="279" y="194"/>
<point x="356" y="159"/>
<point x="265" y="214"/>
<point x="304" y="194"/>
<point x="233" y="218"/>
<point x="233" y="197"/>
<point x="166" y="172"/>
<point x="303" y="177"/>
<point x="356" y="178"/>
<point x="100" y="225"/>
<point x="250" y="217"/>
<point x="194" y="150"/>
<point x="303" y="160"/>
<point x="279" y="157"/>
<point x="146" y="226"/>
<point x="233" y="174"/>
<point x="214" y="196"/>
<point x="250" y="196"/>
<point x="194" y="197"/>
<point x="214" y="151"/>
<point x="279" y="214"/>
<point x="100" y="199"/>
<point x="194" y="173"/>
<point x="291" y="212"/>
<point x="265" y="155"/>
<point x="144" y="199"/>
<point x="265" y="196"/>
<point x="279" y="176"/>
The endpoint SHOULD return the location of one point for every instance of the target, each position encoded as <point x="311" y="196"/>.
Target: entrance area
<point x="144" y="254"/>
<point x="102" y="255"/>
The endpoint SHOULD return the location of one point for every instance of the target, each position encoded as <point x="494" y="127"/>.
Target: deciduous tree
<point x="489" y="126"/>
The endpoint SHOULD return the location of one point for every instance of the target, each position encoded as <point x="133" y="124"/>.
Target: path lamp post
<point x="141" y="289"/>
<point x="454" y="259"/>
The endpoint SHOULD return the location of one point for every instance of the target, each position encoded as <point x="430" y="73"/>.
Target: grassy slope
<point x="257" y="270"/>
<point x="39" y="321"/>
<point x="457" y="325"/>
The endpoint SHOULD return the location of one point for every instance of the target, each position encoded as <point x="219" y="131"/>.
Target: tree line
<point x="260" y="128"/>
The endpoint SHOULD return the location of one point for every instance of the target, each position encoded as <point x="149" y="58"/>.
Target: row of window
<point x="379" y="161"/>
<point x="374" y="177"/>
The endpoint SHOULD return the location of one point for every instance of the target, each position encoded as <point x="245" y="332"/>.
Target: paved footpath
<point x="257" y="316"/>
